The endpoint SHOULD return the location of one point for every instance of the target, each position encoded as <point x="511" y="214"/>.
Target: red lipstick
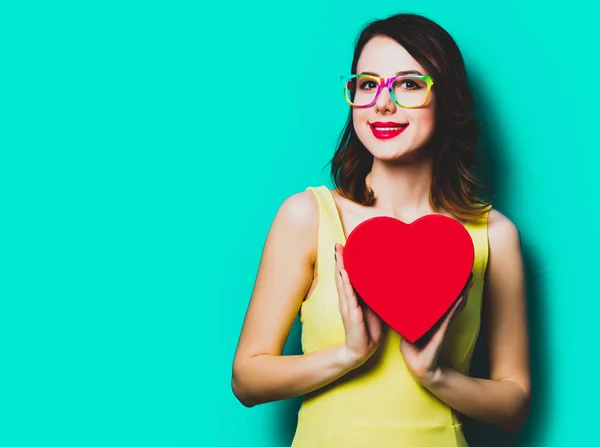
<point x="387" y="130"/>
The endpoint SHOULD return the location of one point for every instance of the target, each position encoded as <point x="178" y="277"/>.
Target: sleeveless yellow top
<point x="379" y="404"/>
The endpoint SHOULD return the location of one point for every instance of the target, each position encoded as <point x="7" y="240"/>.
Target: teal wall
<point x="146" y="147"/>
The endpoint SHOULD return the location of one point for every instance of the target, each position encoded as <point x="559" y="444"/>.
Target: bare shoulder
<point x="502" y="232"/>
<point x="300" y="212"/>
<point x="295" y="227"/>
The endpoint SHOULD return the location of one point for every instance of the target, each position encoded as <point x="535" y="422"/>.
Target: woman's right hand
<point x="362" y="326"/>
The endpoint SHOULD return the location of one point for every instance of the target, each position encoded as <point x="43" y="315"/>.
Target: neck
<point x="402" y="188"/>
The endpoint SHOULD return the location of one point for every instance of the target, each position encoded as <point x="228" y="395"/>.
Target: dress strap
<point x="478" y="228"/>
<point x="330" y="230"/>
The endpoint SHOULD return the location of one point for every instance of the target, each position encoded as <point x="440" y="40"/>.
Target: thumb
<point x="456" y="307"/>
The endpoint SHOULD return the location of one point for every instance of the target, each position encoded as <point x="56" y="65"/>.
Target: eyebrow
<point x="400" y="73"/>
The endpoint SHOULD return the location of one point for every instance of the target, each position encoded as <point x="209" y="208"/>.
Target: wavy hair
<point x="454" y="143"/>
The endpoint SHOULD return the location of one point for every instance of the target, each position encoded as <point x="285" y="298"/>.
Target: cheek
<point x="360" y="118"/>
<point x="425" y="121"/>
<point x="426" y="116"/>
<point x="359" y="115"/>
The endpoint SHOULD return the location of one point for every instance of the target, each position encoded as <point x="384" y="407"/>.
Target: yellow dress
<point x="379" y="404"/>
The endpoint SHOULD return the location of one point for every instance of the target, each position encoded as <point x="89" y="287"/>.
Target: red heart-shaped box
<point x="409" y="274"/>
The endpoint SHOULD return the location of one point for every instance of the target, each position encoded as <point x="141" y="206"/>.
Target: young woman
<point x="405" y="152"/>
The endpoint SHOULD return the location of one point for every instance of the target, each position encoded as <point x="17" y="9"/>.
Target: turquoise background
<point x="146" y="147"/>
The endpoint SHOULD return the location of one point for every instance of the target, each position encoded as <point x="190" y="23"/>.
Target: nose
<point x="385" y="103"/>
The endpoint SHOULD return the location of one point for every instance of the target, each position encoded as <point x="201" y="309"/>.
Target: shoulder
<point x="503" y="234"/>
<point x="295" y="227"/>
<point x="298" y="218"/>
<point x="300" y="211"/>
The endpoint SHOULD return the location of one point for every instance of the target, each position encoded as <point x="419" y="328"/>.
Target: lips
<point x="387" y="130"/>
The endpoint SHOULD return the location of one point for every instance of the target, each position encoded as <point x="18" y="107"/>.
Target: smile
<point x="385" y="131"/>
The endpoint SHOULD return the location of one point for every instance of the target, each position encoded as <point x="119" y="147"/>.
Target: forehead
<point x="386" y="57"/>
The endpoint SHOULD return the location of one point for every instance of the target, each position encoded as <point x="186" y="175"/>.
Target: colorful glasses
<point x="409" y="91"/>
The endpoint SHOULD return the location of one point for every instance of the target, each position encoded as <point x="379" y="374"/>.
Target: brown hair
<point x="454" y="143"/>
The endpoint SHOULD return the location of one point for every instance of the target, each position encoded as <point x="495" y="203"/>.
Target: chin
<point x="390" y="155"/>
<point x="389" y="148"/>
<point x="394" y="152"/>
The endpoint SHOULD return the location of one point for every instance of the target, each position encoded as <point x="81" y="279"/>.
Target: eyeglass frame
<point x="386" y="82"/>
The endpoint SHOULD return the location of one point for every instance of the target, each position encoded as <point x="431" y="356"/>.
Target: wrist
<point x="345" y="359"/>
<point x="433" y="378"/>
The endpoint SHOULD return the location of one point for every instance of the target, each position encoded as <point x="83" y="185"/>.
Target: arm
<point x="503" y="400"/>
<point x="260" y="373"/>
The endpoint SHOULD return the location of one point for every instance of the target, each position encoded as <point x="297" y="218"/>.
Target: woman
<point x="410" y="139"/>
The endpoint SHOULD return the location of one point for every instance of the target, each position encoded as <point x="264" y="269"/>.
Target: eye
<point x="367" y="84"/>
<point x="410" y="84"/>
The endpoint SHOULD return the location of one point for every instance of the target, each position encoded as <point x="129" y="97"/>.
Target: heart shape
<point x="409" y="274"/>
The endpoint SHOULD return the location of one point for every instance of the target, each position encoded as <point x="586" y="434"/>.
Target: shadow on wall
<point x="492" y="167"/>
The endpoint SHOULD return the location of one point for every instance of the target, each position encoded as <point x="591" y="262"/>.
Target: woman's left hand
<point x="422" y="361"/>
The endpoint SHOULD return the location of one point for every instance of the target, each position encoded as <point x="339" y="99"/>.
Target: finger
<point x="339" y="257"/>
<point x="465" y="294"/>
<point x="465" y="298"/>
<point x="462" y="305"/>
<point x="459" y="302"/>
<point x="374" y="324"/>
<point x="438" y="337"/>
<point x="468" y="284"/>
<point x="456" y="311"/>
<point x="448" y="319"/>
<point x="343" y="303"/>
<point x="351" y="300"/>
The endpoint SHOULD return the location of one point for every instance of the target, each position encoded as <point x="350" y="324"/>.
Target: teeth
<point x="389" y="128"/>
